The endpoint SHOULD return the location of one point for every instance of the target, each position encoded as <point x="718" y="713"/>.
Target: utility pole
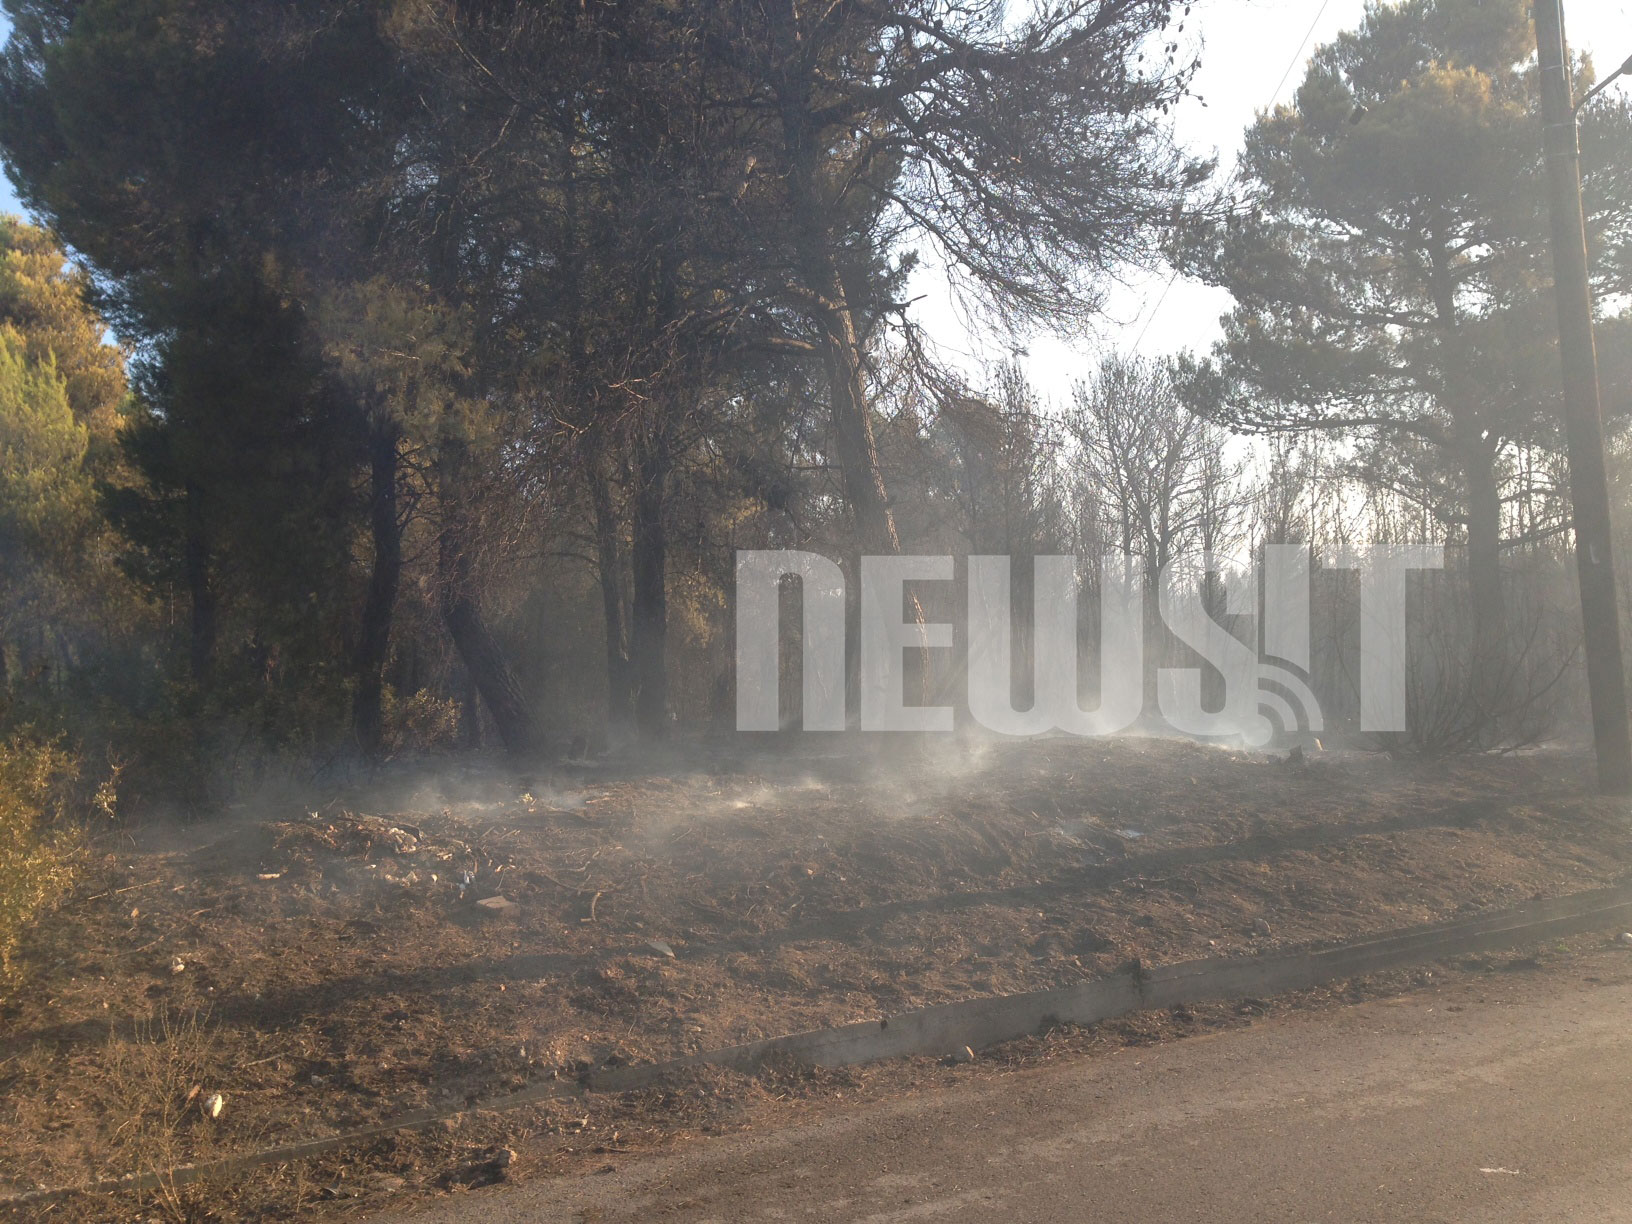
<point x="1583" y="420"/>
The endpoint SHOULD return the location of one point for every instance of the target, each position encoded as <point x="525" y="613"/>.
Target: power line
<point x="1297" y="56"/>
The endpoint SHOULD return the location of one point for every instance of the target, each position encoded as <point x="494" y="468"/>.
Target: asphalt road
<point x="1505" y="1098"/>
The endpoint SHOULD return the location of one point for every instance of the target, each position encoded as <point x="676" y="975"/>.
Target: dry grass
<point x="159" y="1080"/>
<point x="338" y="970"/>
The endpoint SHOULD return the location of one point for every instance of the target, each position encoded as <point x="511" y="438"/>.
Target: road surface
<point x="1502" y="1098"/>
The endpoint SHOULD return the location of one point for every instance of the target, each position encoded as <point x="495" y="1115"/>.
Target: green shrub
<point x="419" y="722"/>
<point x="36" y="847"/>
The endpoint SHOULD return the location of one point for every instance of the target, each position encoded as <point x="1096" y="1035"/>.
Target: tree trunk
<point x="815" y="253"/>
<point x="818" y="268"/>
<point x="609" y="560"/>
<point x="1477" y="459"/>
<point x="470" y="713"/>
<point x="857" y="450"/>
<point x="853" y="437"/>
<point x="479" y="651"/>
<point x="1158" y="645"/>
<point x="481" y="655"/>
<point x="196" y="563"/>
<point x="650" y="621"/>
<point x="374" y="639"/>
<point x="1484" y="546"/>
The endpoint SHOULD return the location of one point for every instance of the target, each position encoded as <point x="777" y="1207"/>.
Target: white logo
<point x="1262" y="654"/>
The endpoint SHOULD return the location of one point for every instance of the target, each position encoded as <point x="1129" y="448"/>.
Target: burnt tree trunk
<point x="196" y="565"/>
<point x="609" y="561"/>
<point x="470" y="712"/>
<point x="827" y="302"/>
<point x="853" y="439"/>
<point x="374" y="638"/>
<point x="1475" y="454"/>
<point x="854" y="443"/>
<point x="480" y="652"/>
<point x="1484" y="544"/>
<point x="648" y="654"/>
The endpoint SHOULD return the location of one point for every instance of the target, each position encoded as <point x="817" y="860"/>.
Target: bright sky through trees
<point x="1247" y="46"/>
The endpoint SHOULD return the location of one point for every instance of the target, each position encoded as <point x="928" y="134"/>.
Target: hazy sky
<point x="1247" y="47"/>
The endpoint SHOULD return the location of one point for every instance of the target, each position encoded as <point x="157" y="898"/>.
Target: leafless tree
<point x="1159" y="473"/>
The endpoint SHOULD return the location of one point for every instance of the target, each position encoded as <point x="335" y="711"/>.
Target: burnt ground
<point x="337" y="968"/>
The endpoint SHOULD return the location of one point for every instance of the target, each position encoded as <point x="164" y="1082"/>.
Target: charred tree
<point x="374" y="630"/>
<point x="200" y="590"/>
<point x="649" y="555"/>
<point x="485" y="662"/>
<point x="609" y="555"/>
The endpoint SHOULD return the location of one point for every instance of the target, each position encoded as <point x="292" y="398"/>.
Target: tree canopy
<point x="1387" y="259"/>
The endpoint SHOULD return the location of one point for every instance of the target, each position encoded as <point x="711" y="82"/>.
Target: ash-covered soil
<point x="330" y="964"/>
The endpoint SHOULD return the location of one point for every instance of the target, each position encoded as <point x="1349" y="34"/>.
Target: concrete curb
<point x="986" y="1021"/>
<point x="982" y="1022"/>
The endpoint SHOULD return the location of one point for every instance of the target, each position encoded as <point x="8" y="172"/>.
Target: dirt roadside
<point x="1498" y="1096"/>
<point x="332" y="974"/>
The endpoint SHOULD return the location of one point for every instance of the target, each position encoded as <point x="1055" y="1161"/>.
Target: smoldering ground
<point x="660" y="906"/>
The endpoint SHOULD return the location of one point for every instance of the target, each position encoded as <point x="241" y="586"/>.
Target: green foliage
<point x="47" y="505"/>
<point x="36" y="850"/>
<point x="45" y="492"/>
<point x="62" y="387"/>
<point x="403" y="356"/>
<point x="1390" y="266"/>
<point x="43" y="297"/>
